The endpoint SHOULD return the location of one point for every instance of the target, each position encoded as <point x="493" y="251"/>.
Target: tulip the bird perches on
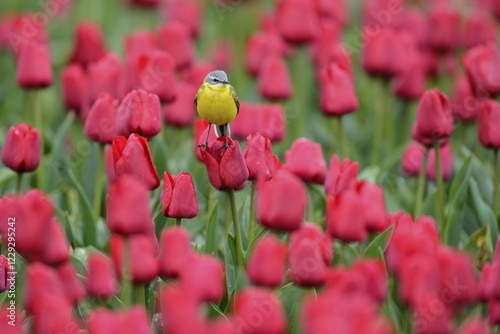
<point x="216" y="102"/>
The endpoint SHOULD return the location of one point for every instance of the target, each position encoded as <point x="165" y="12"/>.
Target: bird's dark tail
<point x="222" y="130"/>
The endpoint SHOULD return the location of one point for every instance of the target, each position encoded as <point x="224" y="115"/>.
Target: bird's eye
<point x="216" y="80"/>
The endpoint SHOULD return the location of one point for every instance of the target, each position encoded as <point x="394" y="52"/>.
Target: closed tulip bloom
<point x="178" y="197"/>
<point x="419" y="280"/>
<point x="474" y="325"/>
<point x="335" y="10"/>
<point x="341" y="176"/>
<point x="128" y="207"/>
<point x="89" y="44"/>
<point x="105" y="76"/>
<point x="266" y="265"/>
<point x="247" y="122"/>
<point x="412" y="159"/>
<point x="226" y="167"/>
<point x="337" y="94"/>
<point x="211" y="287"/>
<point x="446" y="163"/>
<point x="110" y="165"/>
<point x="175" y="38"/>
<point x="101" y="278"/>
<point x="34" y="68"/>
<point x="57" y="248"/>
<point x="74" y="289"/>
<point x="297" y="20"/>
<point x="305" y="160"/>
<point x="380" y="55"/>
<point x="200" y="135"/>
<point x="133" y="157"/>
<point x="180" y="311"/>
<point x="482" y="64"/>
<point x="41" y="284"/>
<point x="442" y="324"/>
<point x="140" y="41"/>
<point x="272" y="122"/>
<point x="479" y="29"/>
<point x="261" y="45"/>
<point x="181" y="112"/>
<point x="74" y="88"/>
<point x="259" y="157"/>
<point x="410" y="80"/>
<point x="22" y="148"/>
<point x="252" y="301"/>
<point x="281" y="201"/>
<point x="54" y="315"/>
<point x="443" y="35"/>
<point x="140" y="113"/>
<point x="489" y="124"/>
<point x="375" y="214"/>
<point x="189" y="12"/>
<point x="334" y="53"/>
<point x="464" y="105"/>
<point x="434" y="120"/>
<point x="127" y="321"/>
<point x="142" y="260"/>
<point x="274" y="79"/>
<point x="175" y="251"/>
<point x="100" y="123"/>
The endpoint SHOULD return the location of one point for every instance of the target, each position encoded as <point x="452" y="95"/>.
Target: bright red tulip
<point x="464" y="105"/>
<point x="34" y="68"/>
<point x="100" y="123"/>
<point x="101" y="279"/>
<point x="211" y="287"/>
<point x="267" y="119"/>
<point x="175" y="251"/>
<point x="337" y="94"/>
<point x="341" y="176"/>
<point x="89" y="44"/>
<point x="297" y="20"/>
<point x="74" y="85"/>
<point x="22" y="148"/>
<point x="334" y="10"/>
<point x="105" y="76"/>
<point x="127" y="321"/>
<point x="380" y="56"/>
<point x="182" y="111"/>
<point x="178" y="197"/>
<point x="139" y="112"/>
<point x="266" y="266"/>
<point x="260" y="46"/>
<point x="73" y="288"/>
<point x="180" y="310"/>
<point x="175" y="38"/>
<point x="482" y="64"/>
<point x="259" y="157"/>
<point x="489" y="124"/>
<point x="274" y="79"/>
<point x="305" y="160"/>
<point x="333" y="53"/>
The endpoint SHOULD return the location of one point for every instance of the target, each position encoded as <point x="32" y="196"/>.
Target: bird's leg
<point x="208" y="134"/>
<point x="223" y="131"/>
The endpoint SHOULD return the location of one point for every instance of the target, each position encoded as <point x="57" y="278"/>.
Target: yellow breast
<point x="216" y="104"/>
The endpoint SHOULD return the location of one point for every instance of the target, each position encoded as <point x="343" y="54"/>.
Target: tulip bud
<point x="482" y="64"/>
<point x="274" y="80"/>
<point x="334" y="53"/>
<point x="341" y="176"/>
<point x="74" y="89"/>
<point x="260" y="46"/>
<point x="211" y="288"/>
<point x="139" y="42"/>
<point x="337" y="94"/>
<point x="181" y="112"/>
<point x="131" y="320"/>
<point x="267" y="119"/>
<point x="178" y="198"/>
<point x="133" y="157"/>
<point x="101" y="278"/>
<point x="189" y="12"/>
<point x="489" y="122"/>
<point x="266" y="265"/>
<point x="34" y="68"/>
<point x="72" y="286"/>
<point x="179" y="310"/>
<point x="89" y="45"/>
<point x="334" y="10"/>
<point x="175" y="251"/>
<point x="22" y="148"/>
<point x="281" y="201"/>
<point x="140" y="113"/>
<point x="464" y="105"/>
<point x="443" y="35"/>
<point x="297" y="20"/>
<point x="105" y="76"/>
<point x="380" y="54"/>
<point x="479" y="29"/>
<point x="57" y="247"/>
<point x="175" y="38"/>
<point x="100" y="123"/>
<point x="226" y="167"/>
<point x="305" y="160"/>
<point x="259" y="157"/>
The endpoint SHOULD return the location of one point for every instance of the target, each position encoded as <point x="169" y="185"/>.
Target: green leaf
<point x="6" y="175"/>
<point x="480" y="246"/>
<point x="458" y="188"/>
<point x="211" y="236"/>
<point x="429" y="206"/>
<point x="291" y="297"/>
<point x="483" y="211"/>
<point x="89" y="224"/>
<point x="379" y="244"/>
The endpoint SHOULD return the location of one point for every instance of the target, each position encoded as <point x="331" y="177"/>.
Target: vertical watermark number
<point x="11" y="273"/>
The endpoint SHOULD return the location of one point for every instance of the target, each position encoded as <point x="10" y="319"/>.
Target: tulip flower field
<point x="358" y="190"/>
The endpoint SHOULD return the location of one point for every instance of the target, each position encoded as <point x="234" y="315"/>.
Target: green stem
<point x="407" y="120"/>
<point x="139" y="297"/>
<point x="99" y="181"/>
<point x="496" y="203"/>
<point x="380" y="120"/>
<point x="40" y="176"/>
<point x="19" y="181"/>
<point x="178" y="221"/>
<point x="126" y="273"/>
<point x="251" y="216"/>
<point x="440" y="190"/>
<point x="341" y="136"/>
<point x="211" y="198"/>
<point x="421" y="185"/>
<point x="240" y="263"/>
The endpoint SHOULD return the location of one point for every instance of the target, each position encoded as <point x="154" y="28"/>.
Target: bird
<point x="217" y="102"/>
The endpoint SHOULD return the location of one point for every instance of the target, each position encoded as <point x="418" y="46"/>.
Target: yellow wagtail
<point x="216" y="102"/>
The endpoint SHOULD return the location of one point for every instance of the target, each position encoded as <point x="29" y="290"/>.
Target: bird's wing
<point x="202" y="87"/>
<point x="235" y="98"/>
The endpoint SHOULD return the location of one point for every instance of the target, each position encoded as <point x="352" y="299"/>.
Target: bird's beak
<point x="227" y="82"/>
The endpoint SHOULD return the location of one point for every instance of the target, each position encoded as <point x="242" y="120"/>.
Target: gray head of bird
<point x="217" y="78"/>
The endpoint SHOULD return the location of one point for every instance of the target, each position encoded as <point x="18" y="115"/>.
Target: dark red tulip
<point x="260" y="46"/>
<point x="133" y="157"/>
<point x="142" y="260"/>
<point x="57" y="248"/>
<point x="22" y="148"/>
<point x="380" y="55"/>
<point x="211" y="288"/>
<point x="442" y="34"/>
<point x="446" y="163"/>
<point x="175" y="38"/>
<point x="189" y="12"/>
<point x="140" y="113"/>
<point x="175" y="251"/>
<point x="309" y="255"/>
<point x="266" y="266"/>
<point x="34" y="68"/>
<point x="412" y="159"/>
<point x="89" y="44"/>
<point x="128" y="207"/>
<point x="252" y="301"/>
<point x="281" y="201"/>
<point x="181" y="112"/>
<point x="180" y="311"/>
<point x="101" y="278"/>
<point x="434" y="120"/>
<point x="341" y="176"/>
<point x="100" y="123"/>
<point x="479" y="29"/>
<point x="297" y="20"/>
<point x="474" y="325"/>
<point x="482" y="66"/>
<point x="178" y="196"/>
<point x="140" y="42"/>
<point x="127" y="321"/>
<point x="493" y="312"/>
<point x="337" y="94"/>
<point x="489" y="124"/>
<point x="74" y="85"/>
<point x="305" y="160"/>
<point x="73" y="288"/>
<point x="274" y="79"/>
<point x="226" y="167"/>
<point x="259" y="157"/>
<point x="105" y="76"/>
<point x="464" y="105"/>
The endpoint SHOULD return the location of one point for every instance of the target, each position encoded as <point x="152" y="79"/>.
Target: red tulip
<point x="222" y="54"/>
<point x="42" y="284"/>
<point x="196" y="73"/>
<point x="140" y="113"/>
<point x="266" y="265"/>
<point x="22" y="148"/>
<point x="424" y="324"/>
<point x="34" y="68"/>
<point x="101" y="278"/>
<point x="127" y="321"/>
<point x="443" y="35"/>
<point x="178" y="197"/>
<point x="267" y="119"/>
<point x="281" y="201"/>
<point x="175" y="38"/>
<point x="297" y="20"/>
<point x="104" y="76"/>
<point x="145" y="3"/>
<point x="128" y="207"/>
<point x="179" y="310"/>
<point x="226" y="167"/>
<point x="142" y="260"/>
<point x="110" y="165"/>
<point x="341" y="176"/>
<point x="474" y="325"/>
<point x="89" y="44"/>
<point x="337" y="94"/>
<point x="5" y="276"/>
<point x="260" y="46"/>
<point x="57" y="248"/>
<point x="133" y="157"/>
<point x="188" y="12"/>
<point x="479" y="29"/>
<point x="412" y="159"/>
<point x="446" y="163"/>
<point x="211" y="288"/>
<point x="54" y="315"/>
<point x="200" y="135"/>
<point x="305" y="160"/>
<point x="335" y="10"/>
<point x="333" y="53"/>
<point x="255" y="301"/>
<point x="74" y="89"/>
<point x="409" y="82"/>
<point x="73" y="288"/>
<point x="489" y="124"/>
<point x="181" y="112"/>
<point x="100" y="123"/>
<point x="274" y="80"/>
<point x="434" y="120"/>
<point x="175" y="251"/>
<point x="141" y="41"/>
<point x="464" y="105"/>
<point x="380" y="55"/>
<point x="482" y="64"/>
<point x="259" y="157"/>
